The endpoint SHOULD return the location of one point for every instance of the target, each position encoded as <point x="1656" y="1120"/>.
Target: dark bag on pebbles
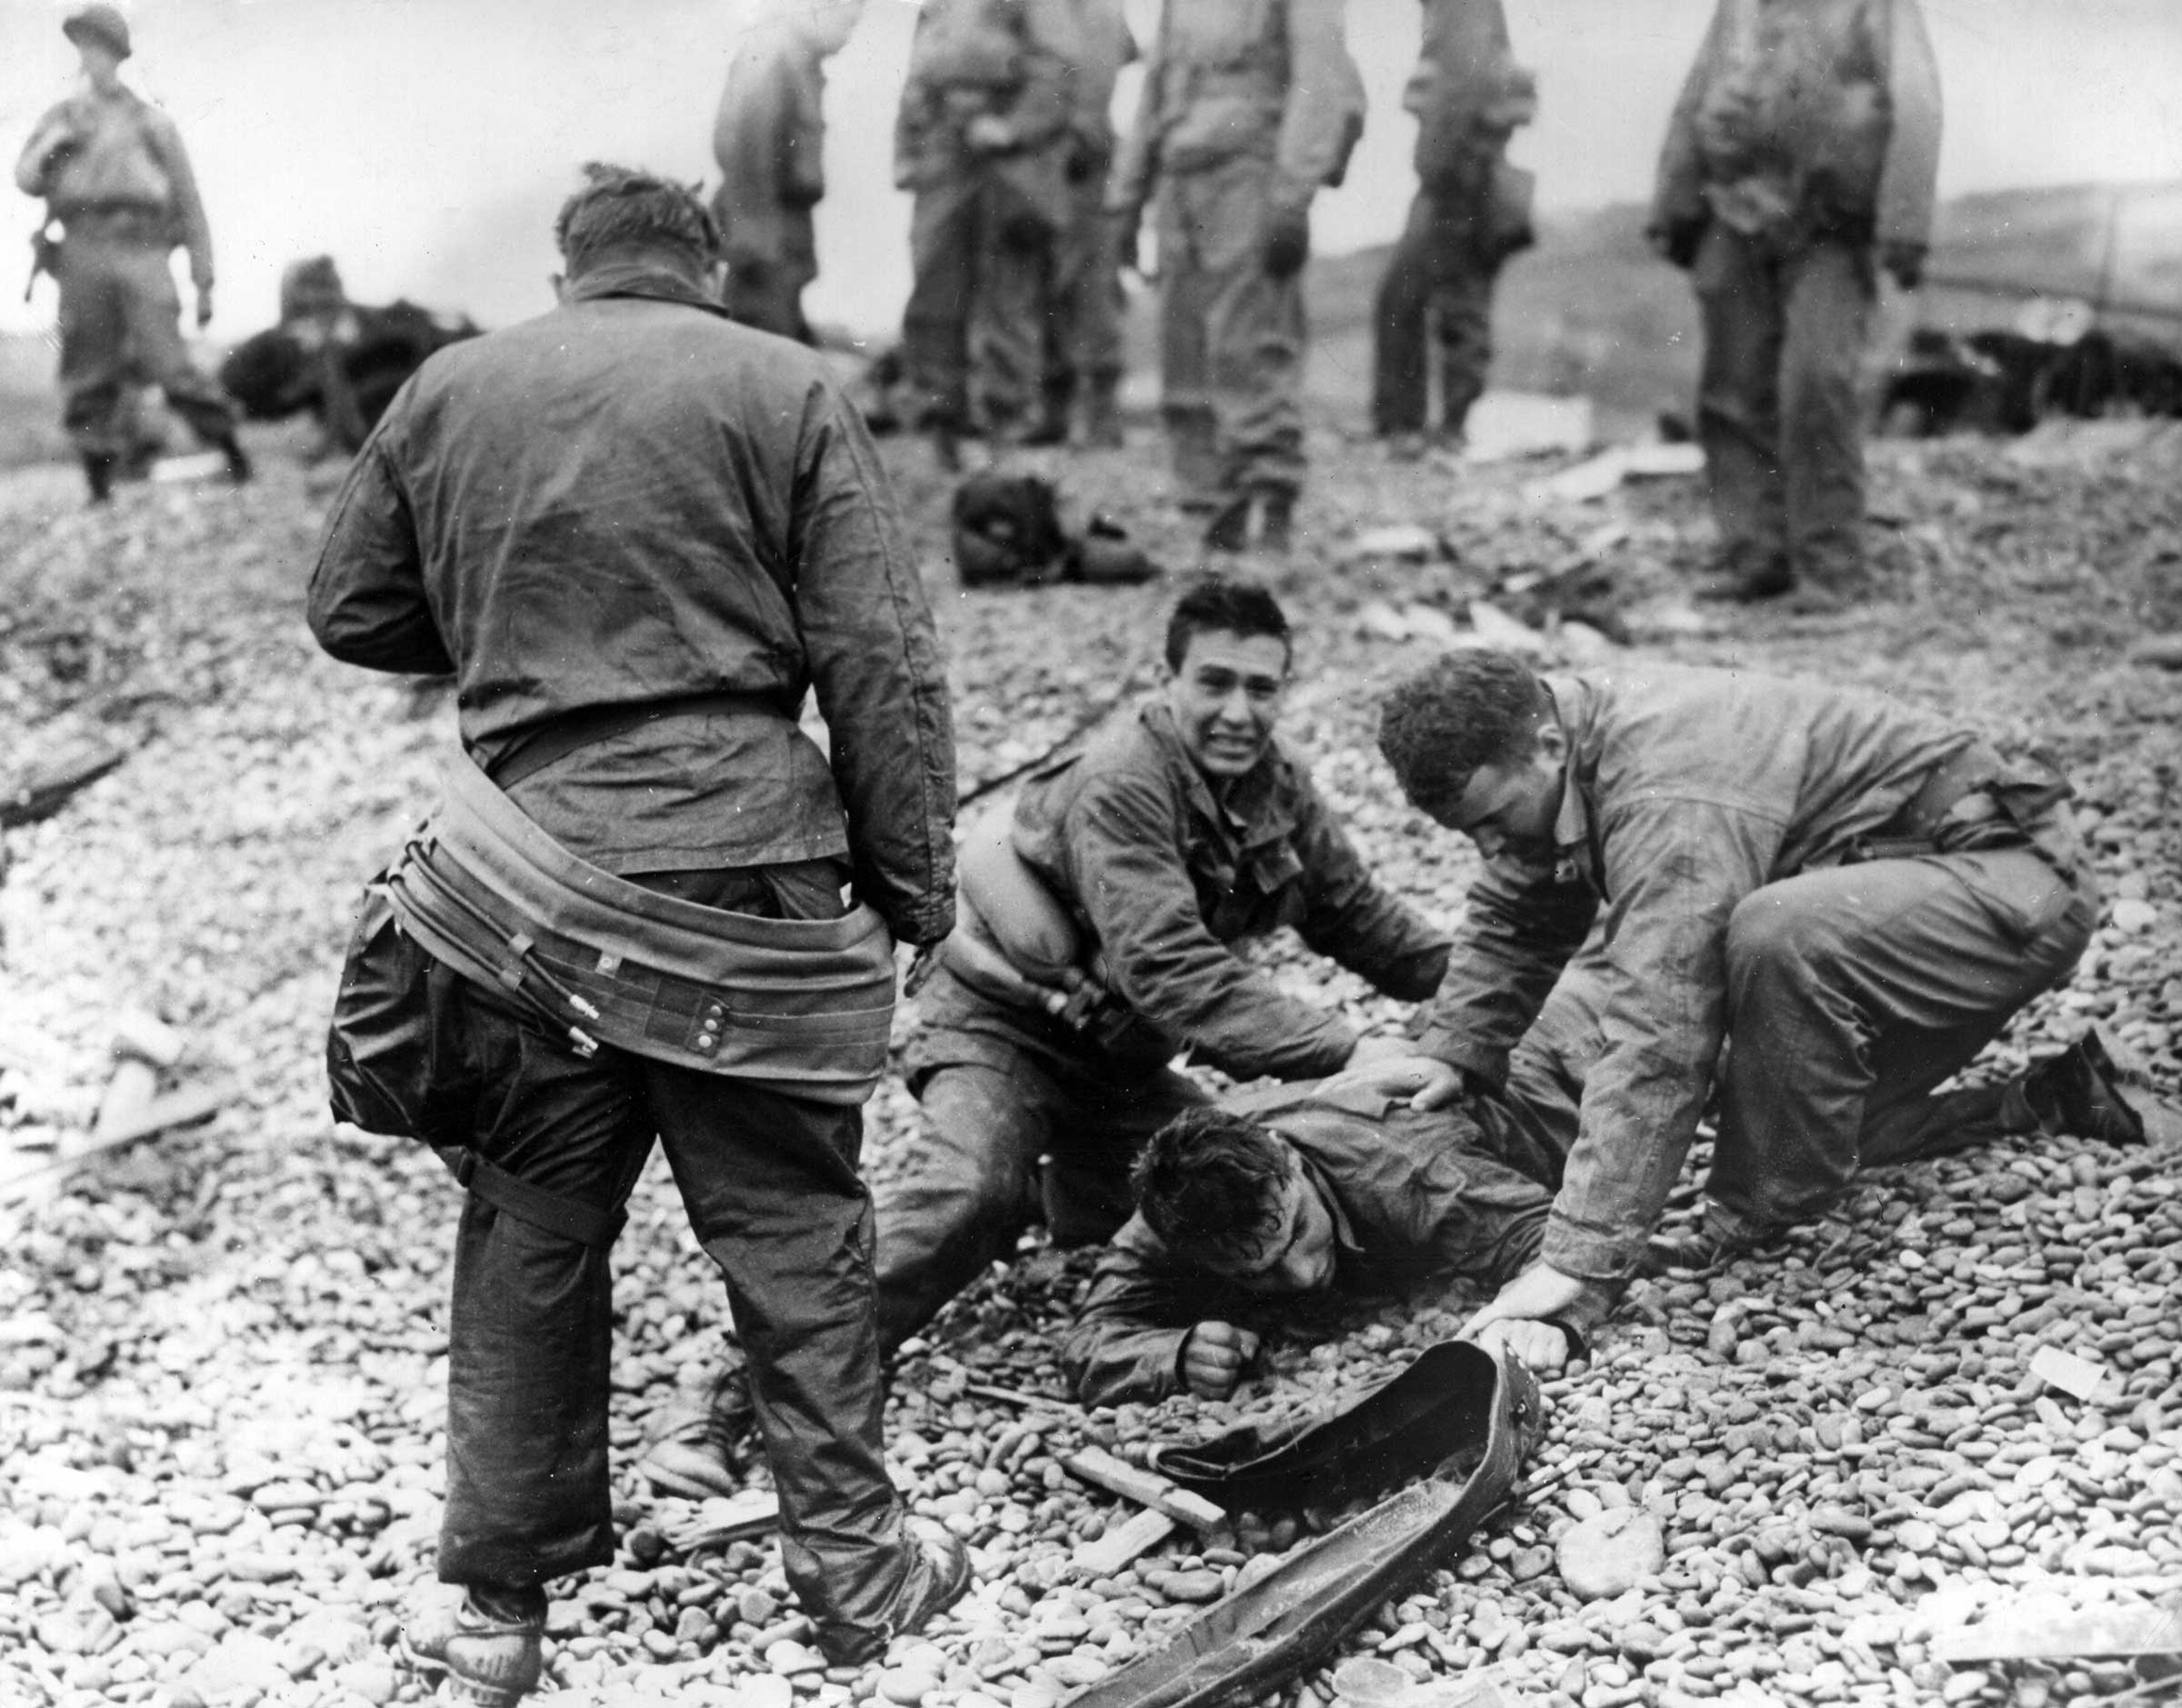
<point x="1007" y="532"/>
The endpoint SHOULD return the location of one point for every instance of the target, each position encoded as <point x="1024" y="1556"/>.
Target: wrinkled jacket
<point x="1807" y="116"/>
<point x="1269" y="79"/>
<point x="1415" y="1195"/>
<point x="1009" y="59"/>
<point x="1161" y="876"/>
<point x="1686" y="790"/>
<point x="769" y="139"/>
<point x="1461" y="93"/>
<point x="1106" y="47"/>
<point x="631" y="499"/>
<point x="88" y="152"/>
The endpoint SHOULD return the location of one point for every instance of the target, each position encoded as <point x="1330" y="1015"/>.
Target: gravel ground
<point x="222" y="1353"/>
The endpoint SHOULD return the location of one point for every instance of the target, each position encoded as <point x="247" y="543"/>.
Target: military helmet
<point x="98" y="23"/>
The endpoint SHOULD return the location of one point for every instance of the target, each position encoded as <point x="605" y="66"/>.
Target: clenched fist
<point x="1215" y="1358"/>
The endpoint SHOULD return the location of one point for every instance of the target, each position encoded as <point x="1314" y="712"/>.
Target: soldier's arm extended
<point x="1908" y="180"/>
<point x="367" y="603"/>
<point x="188" y="207"/>
<point x="1520" y="931"/>
<point x="50" y="140"/>
<point x="1129" y="1333"/>
<point x="1124" y="842"/>
<point x="1324" y="111"/>
<point x="1353" y="920"/>
<point x="1678" y="867"/>
<point x="876" y="663"/>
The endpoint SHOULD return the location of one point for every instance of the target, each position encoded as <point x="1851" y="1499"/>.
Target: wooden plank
<point x="177" y="1108"/>
<point x="2088" y="1633"/>
<point x="2079" y="1378"/>
<point x="752" y="1513"/>
<point x="1147" y="1488"/>
<point x="1139" y="1535"/>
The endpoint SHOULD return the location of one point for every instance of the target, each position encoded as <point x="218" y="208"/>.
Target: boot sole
<point x="452" y="1686"/>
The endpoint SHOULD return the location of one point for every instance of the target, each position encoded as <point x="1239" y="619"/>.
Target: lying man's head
<point x="1474" y="742"/>
<point x="1232" y="1197"/>
<point x="624" y="215"/>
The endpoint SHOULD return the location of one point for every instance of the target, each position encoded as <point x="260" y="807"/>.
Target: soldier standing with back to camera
<point x="111" y="169"/>
<point x="1249" y="107"/>
<point x="1472" y="212"/>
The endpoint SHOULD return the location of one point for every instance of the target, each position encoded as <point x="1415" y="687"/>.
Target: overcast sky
<point x="426" y="143"/>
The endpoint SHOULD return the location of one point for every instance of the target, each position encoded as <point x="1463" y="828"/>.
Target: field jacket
<point x="1413" y="1196"/>
<point x="1162" y="876"/>
<point x="93" y="153"/>
<point x="1012" y="60"/>
<point x="632" y="500"/>
<point x="768" y="138"/>
<point x="1686" y="790"/>
<point x="1271" y="80"/>
<point x="1806" y="118"/>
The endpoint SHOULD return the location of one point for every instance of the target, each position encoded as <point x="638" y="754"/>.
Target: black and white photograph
<point x="1091" y="853"/>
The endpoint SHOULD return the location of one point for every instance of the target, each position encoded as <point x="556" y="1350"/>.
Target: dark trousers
<point x="771" y="1188"/>
<point x="979" y="261"/>
<point x="973" y="1181"/>
<point x="1436" y="289"/>
<point x="1085" y="307"/>
<point x="1851" y="994"/>
<point x="1778" y="408"/>
<point x="120" y="329"/>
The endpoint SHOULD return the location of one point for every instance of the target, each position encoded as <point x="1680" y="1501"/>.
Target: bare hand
<point x="1425" y="1081"/>
<point x="1538" y="1292"/>
<point x="1215" y="1357"/>
<point x="203" y="307"/>
<point x="1539" y="1345"/>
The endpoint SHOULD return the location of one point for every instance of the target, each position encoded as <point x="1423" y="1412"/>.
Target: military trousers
<point x="1780" y="405"/>
<point x="1231" y="335"/>
<point x="120" y="324"/>
<point x="1436" y="289"/>
<point x="1083" y="318"/>
<point x="1011" y="1134"/>
<point x="973" y="334"/>
<point x="1852" y="994"/>
<point x="771" y="1188"/>
<point x="770" y="263"/>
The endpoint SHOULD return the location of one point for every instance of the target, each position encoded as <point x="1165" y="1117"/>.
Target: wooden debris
<point x="1147" y="1488"/>
<point x="1013" y="1396"/>
<point x="2081" y="1634"/>
<point x="1125" y="1542"/>
<point x="752" y="1513"/>
<point x="42" y="783"/>
<point x="2079" y="1378"/>
<point x="180" y="1108"/>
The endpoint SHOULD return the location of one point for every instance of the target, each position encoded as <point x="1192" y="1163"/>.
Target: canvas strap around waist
<point x="800" y="1006"/>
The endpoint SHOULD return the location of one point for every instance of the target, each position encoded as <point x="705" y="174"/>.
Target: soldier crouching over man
<point x="1097" y="943"/>
<point x="1827" y="900"/>
<point x="638" y="533"/>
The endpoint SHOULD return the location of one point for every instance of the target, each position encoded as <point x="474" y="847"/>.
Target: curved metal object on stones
<point x="1250" y="1643"/>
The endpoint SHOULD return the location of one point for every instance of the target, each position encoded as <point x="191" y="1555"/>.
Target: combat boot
<point x="2078" y="1092"/>
<point x="98" y="474"/>
<point x="938" y="1576"/>
<point x="490" y="1645"/>
<point x="698" y="1453"/>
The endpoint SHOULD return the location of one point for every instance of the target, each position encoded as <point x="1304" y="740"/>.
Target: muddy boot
<point x="98" y="474"/>
<point x="490" y="1645"/>
<point x="937" y="1578"/>
<point x="699" y="1452"/>
<point x="1229" y="529"/>
<point x="1102" y="414"/>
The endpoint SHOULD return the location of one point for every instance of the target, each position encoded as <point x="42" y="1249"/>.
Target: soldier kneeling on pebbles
<point x="1855" y="896"/>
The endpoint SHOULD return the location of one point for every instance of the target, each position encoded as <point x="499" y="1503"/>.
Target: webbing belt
<point x="585" y="1224"/>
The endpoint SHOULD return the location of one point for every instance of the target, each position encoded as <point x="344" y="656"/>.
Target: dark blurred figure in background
<point x="1472" y="212"/>
<point x="983" y="139"/>
<point x="1249" y="107"/>
<point x="1082" y="321"/>
<point x="339" y="360"/>
<point x="111" y="169"/>
<point x="769" y="138"/>
<point x="1805" y="148"/>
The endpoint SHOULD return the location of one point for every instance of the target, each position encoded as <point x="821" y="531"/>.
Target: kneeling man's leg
<point x="1854" y="991"/>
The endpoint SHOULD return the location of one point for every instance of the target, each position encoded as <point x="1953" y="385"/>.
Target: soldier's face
<point x="1300" y="1257"/>
<point x="1510" y="810"/>
<point x="1225" y="697"/>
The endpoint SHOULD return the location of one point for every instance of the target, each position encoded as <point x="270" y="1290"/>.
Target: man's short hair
<point x="1467" y="709"/>
<point x="1213" y="1184"/>
<point x="620" y="207"/>
<point x="1227" y="604"/>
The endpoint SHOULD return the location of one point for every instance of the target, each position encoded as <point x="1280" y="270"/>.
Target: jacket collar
<point x="637" y="278"/>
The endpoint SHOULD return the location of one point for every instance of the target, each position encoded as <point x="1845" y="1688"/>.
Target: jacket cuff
<point x="1590" y="1254"/>
<point x="1479" y="1060"/>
